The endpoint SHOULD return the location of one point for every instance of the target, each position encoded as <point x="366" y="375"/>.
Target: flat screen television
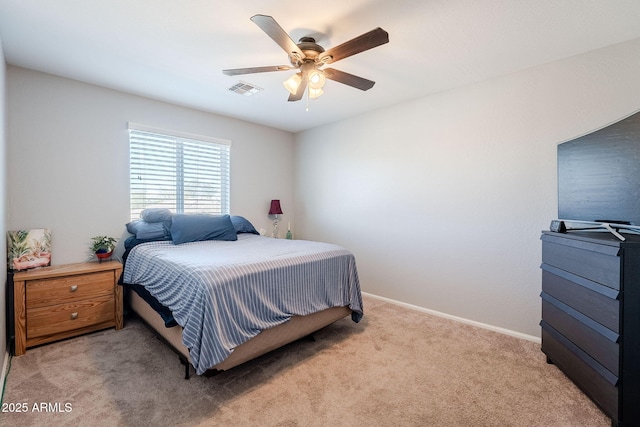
<point x="599" y="175"/>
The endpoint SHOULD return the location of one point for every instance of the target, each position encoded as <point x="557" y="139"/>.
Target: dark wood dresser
<point x="591" y="317"/>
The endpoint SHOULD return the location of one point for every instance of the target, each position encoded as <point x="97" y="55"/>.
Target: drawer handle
<point x="74" y="315"/>
<point x="73" y="288"/>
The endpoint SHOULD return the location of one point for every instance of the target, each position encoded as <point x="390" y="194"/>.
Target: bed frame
<point x="266" y="341"/>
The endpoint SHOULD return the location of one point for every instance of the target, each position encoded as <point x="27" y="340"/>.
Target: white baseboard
<point x="4" y="373"/>
<point x="459" y="319"/>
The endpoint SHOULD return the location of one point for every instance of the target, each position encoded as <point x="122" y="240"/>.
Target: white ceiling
<point x="175" y="50"/>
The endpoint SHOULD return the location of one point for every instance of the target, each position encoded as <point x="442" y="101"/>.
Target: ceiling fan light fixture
<point x="314" y="93"/>
<point x="292" y="83"/>
<point x="316" y="79"/>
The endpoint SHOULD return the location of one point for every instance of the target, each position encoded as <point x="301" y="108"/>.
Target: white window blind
<point x="184" y="174"/>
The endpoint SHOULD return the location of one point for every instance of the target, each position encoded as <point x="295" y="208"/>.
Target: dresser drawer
<point x="596" y="381"/>
<point x="51" y="320"/>
<point x="59" y="290"/>
<point x="596" y="340"/>
<point x="598" y="263"/>
<point x="595" y="301"/>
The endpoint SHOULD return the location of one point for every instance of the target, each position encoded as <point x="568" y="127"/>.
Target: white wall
<point x="442" y="200"/>
<point x="3" y="228"/>
<point x="68" y="150"/>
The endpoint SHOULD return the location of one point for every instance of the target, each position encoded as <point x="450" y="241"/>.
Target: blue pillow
<point x="156" y="214"/>
<point x="198" y="227"/>
<point x="242" y="225"/>
<point x="148" y="230"/>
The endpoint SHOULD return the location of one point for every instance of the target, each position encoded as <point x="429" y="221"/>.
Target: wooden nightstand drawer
<point x="46" y="292"/>
<point x="70" y="316"/>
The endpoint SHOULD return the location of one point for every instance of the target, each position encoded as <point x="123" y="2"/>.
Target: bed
<point x="220" y="294"/>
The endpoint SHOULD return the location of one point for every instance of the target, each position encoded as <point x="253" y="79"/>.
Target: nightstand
<point x="63" y="301"/>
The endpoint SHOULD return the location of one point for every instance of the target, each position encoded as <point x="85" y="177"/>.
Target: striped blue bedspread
<point x="224" y="293"/>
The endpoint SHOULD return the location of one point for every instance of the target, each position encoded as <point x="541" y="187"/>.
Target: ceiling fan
<point x="309" y="57"/>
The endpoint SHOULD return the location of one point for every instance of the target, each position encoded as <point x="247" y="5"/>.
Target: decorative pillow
<point x="198" y="227"/>
<point x="242" y="225"/>
<point x="156" y="215"/>
<point x="147" y="230"/>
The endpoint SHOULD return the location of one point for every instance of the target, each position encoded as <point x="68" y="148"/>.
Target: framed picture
<point x="28" y="248"/>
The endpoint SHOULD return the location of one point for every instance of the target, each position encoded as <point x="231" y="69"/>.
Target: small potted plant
<point x="103" y="246"/>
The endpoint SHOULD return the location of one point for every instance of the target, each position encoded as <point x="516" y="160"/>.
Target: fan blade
<point x="280" y="36"/>
<point x="348" y="79"/>
<point x="300" y="92"/>
<point x="366" y="41"/>
<point x="237" y="71"/>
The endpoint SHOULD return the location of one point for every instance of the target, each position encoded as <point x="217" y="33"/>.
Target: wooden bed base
<point x="266" y="341"/>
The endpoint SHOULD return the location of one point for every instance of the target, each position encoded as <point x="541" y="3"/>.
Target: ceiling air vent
<point x="246" y="89"/>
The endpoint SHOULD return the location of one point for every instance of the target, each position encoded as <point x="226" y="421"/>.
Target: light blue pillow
<point x="147" y="230"/>
<point x="242" y="225"/>
<point x="156" y="215"/>
<point x="198" y="227"/>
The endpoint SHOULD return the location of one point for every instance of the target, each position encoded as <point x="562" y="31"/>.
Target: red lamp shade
<point x="275" y="208"/>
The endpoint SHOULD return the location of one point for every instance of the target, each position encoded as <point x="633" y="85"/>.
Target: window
<point x="184" y="173"/>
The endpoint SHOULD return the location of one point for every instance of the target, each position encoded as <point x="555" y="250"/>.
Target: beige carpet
<point x="398" y="367"/>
